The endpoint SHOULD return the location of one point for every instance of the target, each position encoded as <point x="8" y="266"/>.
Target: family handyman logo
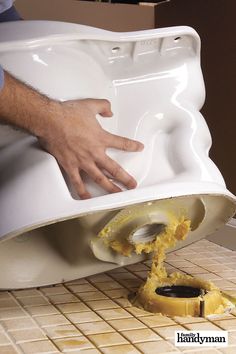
<point x="201" y="338"/>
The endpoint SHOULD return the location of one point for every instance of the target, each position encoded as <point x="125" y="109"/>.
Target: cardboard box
<point x="215" y="23"/>
<point x="113" y="17"/>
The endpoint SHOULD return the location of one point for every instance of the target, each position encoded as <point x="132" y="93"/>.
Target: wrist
<point x="49" y="119"/>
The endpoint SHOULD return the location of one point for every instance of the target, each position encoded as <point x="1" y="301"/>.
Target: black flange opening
<point x="179" y="291"/>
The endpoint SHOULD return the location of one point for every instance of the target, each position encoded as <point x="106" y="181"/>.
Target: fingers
<point x="100" y="179"/>
<point x="79" y="184"/>
<point x="122" y="143"/>
<point x="116" y="171"/>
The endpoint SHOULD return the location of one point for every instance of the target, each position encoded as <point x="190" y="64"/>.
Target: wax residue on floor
<point x="211" y="300"/>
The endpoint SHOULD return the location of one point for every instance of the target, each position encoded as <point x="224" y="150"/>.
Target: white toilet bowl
<point x="154" y="82"/>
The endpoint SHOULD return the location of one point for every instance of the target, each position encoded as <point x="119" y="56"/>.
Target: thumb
<point x="104" y="108"/>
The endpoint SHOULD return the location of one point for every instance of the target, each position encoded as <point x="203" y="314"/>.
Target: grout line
<point x="135" y="318"/>
<point x="71" y="322"/>
<point x="38" y="326"/>
<point x="104" y="319"/>
<point x="82" y="301"/>
<point x="12" y="342"/>
<point x="8" y="332"/>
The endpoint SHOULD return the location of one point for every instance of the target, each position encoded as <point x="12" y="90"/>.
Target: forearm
<point x="24" y="107"/>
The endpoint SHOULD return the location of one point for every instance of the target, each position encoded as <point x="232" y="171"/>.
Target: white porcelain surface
<point x="154" y="82"/>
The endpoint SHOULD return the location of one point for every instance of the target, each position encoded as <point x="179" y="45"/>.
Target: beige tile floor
<point x="93" y="315"/>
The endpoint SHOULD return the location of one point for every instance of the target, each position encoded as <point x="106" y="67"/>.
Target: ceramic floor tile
<point x="89" y="328"/>
<point x="209" y="276"/>
<point x="159" y="347"/>
<point x="141" y="335"/>
<point x="73" y="307"/>
<point x="84" y="313"/>
<point x="120" y="349"/>
<point x="228" y="325"/>
<point x="76" y="282"/>
<point x="124" y="276"/>
<point x="135" y="311"/>
<point x="223" y="316"/>
<point x="227" y="274"/>
<point x="216" y="268"/>
<point x="109" y="285"/>
<point x="5" y="295"/>
<point x="39" y="347"/>
<point x="136" y="267"/>
<point x="33" y="301"/>
<point x="4" y="339"/>
<point x="54" y="290"/>
<point x="123" y="303"/>
<point x="99" y="278"/>
<point x="27" y="292"/>
<point x="204" y="262"/>
<point x="82" y="317"/>
<point x="229" y="350"/>
<point x="131" y="283"/>
<point x="18" y="323"/>
<point x="116" y="270"/>
<point x="233" y="280"/>
<point x="107" y="339"/>
<point x="62" y="331"/>
<point x="117" y="293"/>
<point x="169" y="268"/>
<point x="51" y="320"/>
<point x="8" y="349"/>
<point x="5" y="303"/>
<point x="222" y="283"/>
<point x="220" y="259"/>
<point x="143" y="274"/>
<point x="92" y="295"/>
<point x="230" y="264"/>
<point x="81" y="288"/>
<point x="86" y="351"/>
<point x="189" y="319"/>
<point x="113" y="314"/>
<point x="63" y="298"/>
<point x="195" y="271"/>
<point x="202" y="351"/>
<point x="102" y="304"/>
<point x="126" y="324"/>
<point x="27" y="335"/>
<point x="12" y="313"/>
<point x="157" y="320"/>
<point x="180" y="263"/>
<point x="174" y="256"/>
<point x="202" y="326"/>
<point x="232" y="338"/>
<point x="74" y="343"/>
<point x="42" y="310"/>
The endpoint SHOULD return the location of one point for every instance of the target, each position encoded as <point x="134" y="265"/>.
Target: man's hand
<point x="70" y="132"/>
<point x="79" y="143"/>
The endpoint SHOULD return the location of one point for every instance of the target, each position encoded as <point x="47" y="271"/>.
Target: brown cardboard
<point x="113" y="17"/>
<point x="215" y="23"/>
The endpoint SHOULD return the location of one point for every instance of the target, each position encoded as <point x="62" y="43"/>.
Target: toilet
<point x="154" y="82"/>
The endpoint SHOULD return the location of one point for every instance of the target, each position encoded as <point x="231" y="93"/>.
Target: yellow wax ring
<point x="206" y="299"/>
